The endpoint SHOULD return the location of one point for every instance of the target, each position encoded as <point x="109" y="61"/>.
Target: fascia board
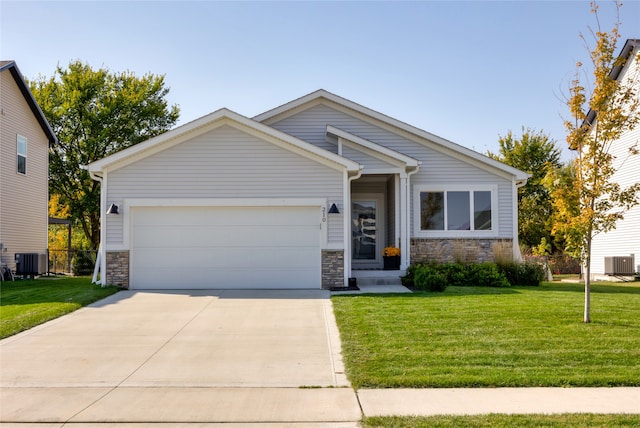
<point x="383" y="153"/>
<point x="393" y="125"/>
<point x="31" y="100"/>
<point x="320" y="93"/>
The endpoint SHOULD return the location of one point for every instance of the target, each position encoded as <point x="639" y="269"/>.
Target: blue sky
<point x="467" y="71"/>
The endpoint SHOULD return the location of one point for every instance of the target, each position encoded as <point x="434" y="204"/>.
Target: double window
<point x="22" y="154"/>
<point x="455" y="211"/>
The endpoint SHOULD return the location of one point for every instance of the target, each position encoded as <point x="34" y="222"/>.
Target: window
<point x="22" y="154"/>
<point x="463" y="211"/>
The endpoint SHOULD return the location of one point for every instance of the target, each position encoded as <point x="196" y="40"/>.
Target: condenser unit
<point x="31" y="264"/>
<point x="619" y="266"/>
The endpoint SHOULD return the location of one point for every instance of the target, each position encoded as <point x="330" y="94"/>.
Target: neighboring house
<point x="25" y="137"/>
<point x="624" y="240"/>
<point x="303" y="196"/>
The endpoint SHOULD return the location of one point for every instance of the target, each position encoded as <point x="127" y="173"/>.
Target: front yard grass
<point x="506" y="421"/>
<point x="488" y="337"/>
<point x="27" y="303"/>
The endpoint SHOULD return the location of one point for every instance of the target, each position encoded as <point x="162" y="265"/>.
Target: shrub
<point x="83" y="263"/>
<point x="430" y="279"/>
<point x="487" y="275"/>
<point x="407" y="279"/>
<point x="526" y="273"/>
<point x="457" y="273"/>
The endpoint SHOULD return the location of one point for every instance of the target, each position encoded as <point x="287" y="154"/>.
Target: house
<point x="623" y="242"/>
<point x="25" y="137"/>
<point x="305" y="195"/>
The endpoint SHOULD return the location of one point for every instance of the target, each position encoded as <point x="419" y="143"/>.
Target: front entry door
<point x="367" y="231"/>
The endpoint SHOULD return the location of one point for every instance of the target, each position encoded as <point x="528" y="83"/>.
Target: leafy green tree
<point x="615" y="109"/>
<point x="534" y="153"/>
<point x="96" y="113"/>
<point x="561" y="185"/>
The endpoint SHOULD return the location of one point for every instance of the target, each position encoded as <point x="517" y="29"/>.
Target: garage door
<point x="225" y="247"/>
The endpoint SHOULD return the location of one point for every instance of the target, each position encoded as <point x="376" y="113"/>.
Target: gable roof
<point x="12" y="67"/>
<point x="628" y="49"/>
<point x="321" y="94"/>
<point x="210" y="122"/>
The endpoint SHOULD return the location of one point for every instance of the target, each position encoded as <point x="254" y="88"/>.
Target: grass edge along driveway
<point x="487" y="337"/>
<point x="505" y="421"/>
<point x="27" y="303"/>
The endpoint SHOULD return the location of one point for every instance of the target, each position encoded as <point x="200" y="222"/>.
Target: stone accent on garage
<point x="332" y="268"/>
<point x="460" y="250"/>
<point x="118" y="268"/>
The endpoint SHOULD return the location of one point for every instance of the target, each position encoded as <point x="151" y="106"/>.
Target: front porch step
<point x="378" y="277"/>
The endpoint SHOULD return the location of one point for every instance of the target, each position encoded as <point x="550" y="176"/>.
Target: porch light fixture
<point x="334" y="209"/>
<point x="113" y="209"/>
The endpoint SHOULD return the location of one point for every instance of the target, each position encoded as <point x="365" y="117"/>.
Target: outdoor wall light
<point x="334" y="209"/>
<point x="113" y="209"/>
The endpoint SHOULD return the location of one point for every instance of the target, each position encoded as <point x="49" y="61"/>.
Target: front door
<point x="367" y="231"/>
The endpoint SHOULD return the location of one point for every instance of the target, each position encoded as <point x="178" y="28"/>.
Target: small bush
<point x="407" y="279"/>
<point x="457" y="273"/>
<point x="526" y="273"/>
<point x="430" y="279"/>
<point x="83" y="263"/>
<point x="487" y="275"/>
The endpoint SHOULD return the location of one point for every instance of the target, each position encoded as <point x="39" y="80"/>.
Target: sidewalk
<point x="332" y="407"/>
<point x="471" y="401"/>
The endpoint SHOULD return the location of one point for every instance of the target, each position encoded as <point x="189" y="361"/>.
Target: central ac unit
<point x="619" y="266"/>
<point x="31" y="264"/>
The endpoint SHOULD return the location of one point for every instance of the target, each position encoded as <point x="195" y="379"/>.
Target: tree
<point x="561" y="185"/>
<point x="95" y="113"/>
<point x="535" y="153"/>
<point x="612" y="109"/>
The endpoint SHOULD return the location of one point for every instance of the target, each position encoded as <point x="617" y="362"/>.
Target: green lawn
<point x="27" y="303"/>
<point x="487" y="337"/>
<point x="506" y="421"/>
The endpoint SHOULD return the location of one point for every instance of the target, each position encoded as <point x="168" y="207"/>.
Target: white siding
<point x="224" y="163"/>
<point x="23" y="198"/>
<point x="368" y="162"/>
<point x="625" y="239"/>
<point x="437" y="167"/>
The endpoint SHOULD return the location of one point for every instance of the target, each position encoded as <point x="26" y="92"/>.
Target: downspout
<point x="100" y="267"/>
<point x="405" y="239"/>
<point x="347" y="223"/>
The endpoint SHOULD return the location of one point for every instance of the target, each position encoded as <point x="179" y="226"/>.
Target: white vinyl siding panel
<point x="224" y="163"/>
<point x="23" y="197"/>
<point x="368" y="162"/>
<point x="624" y="240"/>
<point x="438" y="167"/>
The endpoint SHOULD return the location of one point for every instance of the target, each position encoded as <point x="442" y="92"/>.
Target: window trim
<point x="23" y="155"/>
<point x="417" y="232"/>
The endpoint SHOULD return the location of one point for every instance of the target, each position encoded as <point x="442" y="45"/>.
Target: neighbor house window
<point x="455" y="210"/>
<point x="22" y="154"/>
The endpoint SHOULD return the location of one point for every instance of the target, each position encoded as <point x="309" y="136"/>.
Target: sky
<point x="467" y="71"/>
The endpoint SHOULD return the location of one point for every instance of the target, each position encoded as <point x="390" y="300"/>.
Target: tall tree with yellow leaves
<point x="597" y="121"/>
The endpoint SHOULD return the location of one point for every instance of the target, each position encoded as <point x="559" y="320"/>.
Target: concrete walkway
<point x="236" y="358"/>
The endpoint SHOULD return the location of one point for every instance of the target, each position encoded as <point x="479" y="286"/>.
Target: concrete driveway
<point x="181" y="356"/>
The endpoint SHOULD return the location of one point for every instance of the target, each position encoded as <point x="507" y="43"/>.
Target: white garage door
<point x="225" y="247"/>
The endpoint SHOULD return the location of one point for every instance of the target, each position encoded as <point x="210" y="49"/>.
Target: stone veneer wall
<point x="463" y="250"/>
<point x="332" y="268"/>
<point x="118" y="268"/>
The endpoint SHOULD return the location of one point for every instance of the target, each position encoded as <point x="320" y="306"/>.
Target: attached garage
<point x="208" y="247"/>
